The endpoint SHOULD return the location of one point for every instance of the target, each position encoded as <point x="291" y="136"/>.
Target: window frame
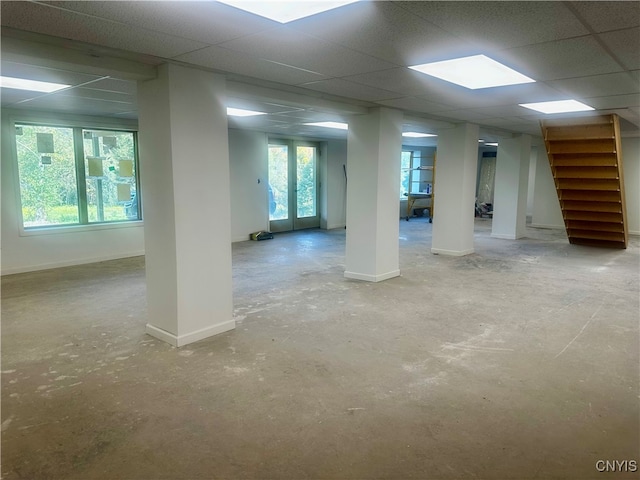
<point x="77" y="124"/>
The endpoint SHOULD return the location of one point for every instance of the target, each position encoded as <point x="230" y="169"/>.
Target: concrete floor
<point x="519" y="361"/>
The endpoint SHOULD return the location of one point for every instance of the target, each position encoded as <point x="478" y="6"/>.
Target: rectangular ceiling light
<point x="341" y="126"/>
<point x="239" y="112"/>
<point x="285" y="11"/>
<point x="559" y="106"/>
<point x="417" y="134"/>
<point x="31" y="85"/>
<point x="477" y="71"/>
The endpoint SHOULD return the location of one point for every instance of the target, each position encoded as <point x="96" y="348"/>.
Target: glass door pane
<point x="278" y="182"/>
<point x="306" y="181"/>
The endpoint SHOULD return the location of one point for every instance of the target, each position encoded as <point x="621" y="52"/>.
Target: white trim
<point x="372" y="278"/>
<point x="78" y="228"/>
<point x="181" y="340"/>
<point x="60" y="119"/>
<point x="506" y="236"/>
<point x="70" y="263"/>
<point x="552" y="227"/>
<point x="241" y="239"/>
<point x="336" y="225"/>
<point x="635" y="233"/>
<point x="453" y="253"/>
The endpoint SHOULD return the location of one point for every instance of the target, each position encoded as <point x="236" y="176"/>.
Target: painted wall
<point x="248" y="156"/>
<point x="23" y="252"/>
<point x="546" y="207"/>
<point x="631" y="166"/>
<point x="334" y="185"/>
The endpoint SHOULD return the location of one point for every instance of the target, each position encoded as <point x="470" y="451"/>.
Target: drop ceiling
<point x="335" y="64"/>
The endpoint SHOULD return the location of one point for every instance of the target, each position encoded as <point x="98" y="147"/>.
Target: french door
<point x="293" y="185"/>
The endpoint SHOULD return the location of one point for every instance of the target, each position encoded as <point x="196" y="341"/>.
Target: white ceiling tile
<point x="48" y="20"/>
<point x="613" y="101"/>
<point x="291" y="47"/>
<point x="102" y="95"/>
<point x="460" y="97"/>
<point x="247" y="64"/>
<point x="502" y="111"/>
<point x="114" y="85"/>
<point x="599" y="85"/>
<point x="603" y="16"/>
<point x="625" y="44"/>
<point x="415" y="104"/>
<point x="11" y="96"/>
<point x="575" y="57"/>
<point x="463" y="114"/>
<point x="344" y="88"/>
<point x="500" y="24"/>
<point x="382" y="30"/>
<point x="208" y="22"/>
<point x="400" y="79"/>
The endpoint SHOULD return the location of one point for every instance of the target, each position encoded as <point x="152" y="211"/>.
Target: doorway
<point x="293" y="185"/>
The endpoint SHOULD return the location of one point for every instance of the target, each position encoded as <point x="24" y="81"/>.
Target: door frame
<point x="293" y="222"/>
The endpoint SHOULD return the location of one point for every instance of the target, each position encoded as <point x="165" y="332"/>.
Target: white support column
<point x="510" y="192"/>
<point x="455" y="191"/>
<point x="184" y="169"/>
<point x="374" y="149"/>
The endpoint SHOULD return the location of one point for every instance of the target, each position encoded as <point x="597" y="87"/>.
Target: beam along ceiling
<point x="333" y="64"/>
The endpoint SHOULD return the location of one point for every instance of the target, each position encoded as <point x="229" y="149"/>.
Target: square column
<point x="455" y="190"/>
<point x="184" y="169"/>
<point x="374" y="150"/>
<point x="511" y="186"/>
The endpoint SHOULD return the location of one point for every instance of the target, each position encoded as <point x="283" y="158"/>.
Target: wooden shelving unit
<point x="585" y="158"/>
<point x="424" y="197"/>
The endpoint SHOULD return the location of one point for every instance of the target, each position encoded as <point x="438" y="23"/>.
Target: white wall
<point x="248" y="158"/>
<point x="334" y="185"/>
<point x="533" y="160"/>
<point x="23" y="252"/>
<point x="631" y="166"/>
<point x="546" y="206"/>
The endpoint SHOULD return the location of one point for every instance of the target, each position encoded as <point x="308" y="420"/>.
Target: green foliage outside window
<point x="51" y="193"/>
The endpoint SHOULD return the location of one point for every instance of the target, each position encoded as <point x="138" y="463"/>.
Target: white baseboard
<point x="181" y="340"/>
<point x="504" y="236"/>
<point x="551" y="227"/>
<point x="69" y="263"/>
<point x="335" y="225"/>
<point x="453" y="253"/>
<point x="372" y="278"/>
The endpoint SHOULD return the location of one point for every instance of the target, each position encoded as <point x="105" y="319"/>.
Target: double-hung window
<point x="76" y="176"/>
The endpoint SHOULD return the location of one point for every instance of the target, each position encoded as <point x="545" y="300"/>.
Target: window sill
<point x="34" y="231"/>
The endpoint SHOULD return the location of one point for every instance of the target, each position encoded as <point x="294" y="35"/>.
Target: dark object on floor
<point x="262" y="235"/>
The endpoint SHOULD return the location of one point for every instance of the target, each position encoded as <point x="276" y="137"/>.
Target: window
<point x="410" y="160"/>
<point x="76" y="176"/>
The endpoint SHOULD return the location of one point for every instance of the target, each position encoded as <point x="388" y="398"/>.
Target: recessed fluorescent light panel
<point x="417" y="135"/>
<point x="338" y="125"/>
<point x="559" y="106"/>
<point x="239" y="112"/>
<point x="31" y="85"/>
<point x="477" y="71"/>
<point x="285" y="11"/>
